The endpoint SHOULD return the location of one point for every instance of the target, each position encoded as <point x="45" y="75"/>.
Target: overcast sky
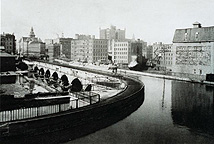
<point x="150" y="20"/>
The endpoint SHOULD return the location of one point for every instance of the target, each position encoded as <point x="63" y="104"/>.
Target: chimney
<point x="196" y="25"/>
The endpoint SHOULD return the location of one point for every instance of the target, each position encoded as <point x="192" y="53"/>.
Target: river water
<point x="172" y="112"/>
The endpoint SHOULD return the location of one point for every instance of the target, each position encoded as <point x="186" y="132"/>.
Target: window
<point x="186" y="34"/>
<point x="200" y="71"/>
<point x="196" y="35"/>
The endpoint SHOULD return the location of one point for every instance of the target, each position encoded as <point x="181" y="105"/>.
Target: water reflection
<point x="192" y="106"/>
<point x="172" y="112"/>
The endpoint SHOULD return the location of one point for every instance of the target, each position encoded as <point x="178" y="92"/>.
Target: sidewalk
<point x="138" y="73"/>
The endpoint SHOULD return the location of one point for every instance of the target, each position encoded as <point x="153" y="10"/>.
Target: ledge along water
<point x="74" y="123"/>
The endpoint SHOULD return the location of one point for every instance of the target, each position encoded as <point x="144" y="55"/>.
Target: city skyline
<point x="151" y="21"/>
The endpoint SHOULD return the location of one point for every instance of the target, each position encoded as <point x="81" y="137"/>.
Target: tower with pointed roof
<point x="32" y="35"/>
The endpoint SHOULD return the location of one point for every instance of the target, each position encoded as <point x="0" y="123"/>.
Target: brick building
<point x="9" y="43"/>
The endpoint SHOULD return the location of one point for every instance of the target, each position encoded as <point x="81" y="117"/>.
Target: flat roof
<point x="4" y="54"/>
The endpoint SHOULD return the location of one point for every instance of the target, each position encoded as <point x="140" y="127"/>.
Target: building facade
<point x="31" y="46"/>
<point x="149" y="52"/>
<point x="113" y="33"/>
<point x="193" y="50"/>
<point x="162" y="55"/>
<point x="123" y="51"/>
<point x="65" y="46"/>
<point x="9" y="43"/>
<point x="52" y="50"/>
<point x="88" y="49"/>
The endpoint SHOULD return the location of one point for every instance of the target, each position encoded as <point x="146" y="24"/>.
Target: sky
<point x="149" y="20"/>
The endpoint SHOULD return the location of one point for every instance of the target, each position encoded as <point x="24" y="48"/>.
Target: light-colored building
<point x="113" y="33"/>
<point x="123" y="51"/>
<point x="193" y="50"/>
<point x="36" y="48"/>
<point x="88" y="49"/>
<point x="31" y="45"/>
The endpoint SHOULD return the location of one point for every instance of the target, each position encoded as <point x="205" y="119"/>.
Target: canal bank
<point x="192" y="79"/>
<point x="173" y="112"/>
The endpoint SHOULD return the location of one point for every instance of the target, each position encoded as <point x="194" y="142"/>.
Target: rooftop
<point x="4" y="54"/>
<point x="195" y="34"/>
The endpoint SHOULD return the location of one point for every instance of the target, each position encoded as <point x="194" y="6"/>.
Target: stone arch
<point x="36" y="69"/>
<point x="76" y="85"/>
<point x="64" y="80"/>
<point x="41" y="72"/>
<point x="55" y="76"/>
<point x="47" y="74"/>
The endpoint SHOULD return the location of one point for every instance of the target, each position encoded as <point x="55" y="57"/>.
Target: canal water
<point x="172" y="112"/>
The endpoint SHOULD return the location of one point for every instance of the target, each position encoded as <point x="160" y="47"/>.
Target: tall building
<point x="65" y="46"/>
<point x="193" y="50"/>
<point x="52" y="49"/>
<point x="31" y="46"/>
<point x="112" y="33"/>
<point x="123" y="51"/>
<point x="9" y="43"/>
<point x="149" y="52"/>
<point x="88" y="49"/>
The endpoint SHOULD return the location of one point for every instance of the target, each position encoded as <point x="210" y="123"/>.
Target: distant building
<point x="193" y="50"/>
<point x="65" y="46"/>
<point x="9" y="43"/>
<point x="162" y="55"/>
<point x="112" y="33"/>
<point x="149" y="52"/>
<point x="53" y="51"/>
<point x="88" y="49"/>
<point x="123" y="51"/>
<point x="82" y="37"/>
<point x="31" y="46"/>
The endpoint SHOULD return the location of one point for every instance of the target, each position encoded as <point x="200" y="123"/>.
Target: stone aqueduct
<point x="65" y="74"/>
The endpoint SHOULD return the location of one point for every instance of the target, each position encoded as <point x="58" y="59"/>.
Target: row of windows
<point x="120" y="57"/>
<point x="100" y="54"/>
<point x="125" y="53"/>
<point x="120" y="61"/>
<point x="121" y="44"/>
<point x="121" y="49"/>
<point x="100" y="41"/>
<point x="167" y="62"/>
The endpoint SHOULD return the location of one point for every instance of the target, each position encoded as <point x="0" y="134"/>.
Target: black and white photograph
<point x="107" y="72"/>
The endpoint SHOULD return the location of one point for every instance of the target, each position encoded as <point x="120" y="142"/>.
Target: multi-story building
<point x="89" y="49"/>
<point x="193" y="50"/>
<point x="112" y="33"/>
<point x="149" y="52"/>
<point x="65" y="46"/>
<point x="31" y="45"/>
<point x="53" y="49"/>
<point x="162" y="55"/>
<point x="36" y="48"/>
<point x="123" y="51"/>
<point x="9" y="43"/>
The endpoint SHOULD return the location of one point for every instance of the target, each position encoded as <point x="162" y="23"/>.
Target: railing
<point x="24" y="113"/>
<point x="87" y="96"/>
